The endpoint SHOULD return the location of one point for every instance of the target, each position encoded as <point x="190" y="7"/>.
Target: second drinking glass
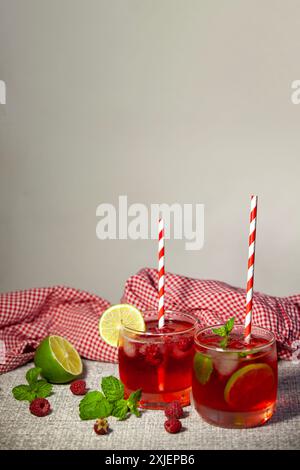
<point x="235" y="386"/>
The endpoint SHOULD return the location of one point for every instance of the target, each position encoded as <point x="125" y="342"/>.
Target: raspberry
<point x="78" y="387"/>
<point x="174" y="410"/>
<point x="153" y="355"/>
<point x="172" y="425"/>
<point x="39" y="407"/>
<point x="184" y="344"/>
<point x="101" y="426"/>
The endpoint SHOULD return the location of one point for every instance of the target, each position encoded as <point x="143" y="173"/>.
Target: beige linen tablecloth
<point x="63" y="429"/>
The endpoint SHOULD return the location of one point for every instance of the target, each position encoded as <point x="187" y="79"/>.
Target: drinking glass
<point x="159" y="361"/>
<point x="235" y="386"/>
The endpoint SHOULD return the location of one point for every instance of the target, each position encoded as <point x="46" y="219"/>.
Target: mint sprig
<point x="112" y="388"/>
<point x="133" y="400"/>
<point x="224" y="332"/>
<point x="109" y="402"/>
<point x="94" y="405"/>
<point x="36" y="388"/>
<point x="120" y="409"/>
<point x="23" y="392"/>
<point x="33" y="374"/>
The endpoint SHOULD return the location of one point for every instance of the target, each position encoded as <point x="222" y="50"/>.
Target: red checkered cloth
<point x="26" y="317"/>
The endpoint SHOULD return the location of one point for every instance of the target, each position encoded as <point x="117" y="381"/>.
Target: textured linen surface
<point x="63" y="429"/>
<point x="28" y="316"/>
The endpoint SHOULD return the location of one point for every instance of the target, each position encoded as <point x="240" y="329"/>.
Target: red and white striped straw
<point x="161" y="274"/>
<point x="250" y="275"/>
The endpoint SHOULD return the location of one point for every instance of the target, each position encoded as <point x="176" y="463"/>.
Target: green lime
<point x="249" y="386"/>
<point x="58" y="359"/>
<point x="203" y="367"/>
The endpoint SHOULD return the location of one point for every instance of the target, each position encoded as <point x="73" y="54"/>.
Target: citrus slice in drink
<point x="58" y="359"/>
<point x="203" y="367"/>
<point x="114" y="317"/>
<point x="250" y="386"/>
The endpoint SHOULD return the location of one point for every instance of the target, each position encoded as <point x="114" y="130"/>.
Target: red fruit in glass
<point x="235" y="386"/>
<point x="159" y="361"/>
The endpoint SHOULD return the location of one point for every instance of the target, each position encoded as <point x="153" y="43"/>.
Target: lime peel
<point x="58" y="360"/>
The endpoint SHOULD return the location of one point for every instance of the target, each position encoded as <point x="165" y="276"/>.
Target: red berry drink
<point x="159" y="361"/>
<point x="235" y="385"/>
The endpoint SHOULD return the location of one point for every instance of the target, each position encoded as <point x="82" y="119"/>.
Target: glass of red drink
<point x="235" y="386"/>
<point x="159" y="361"/>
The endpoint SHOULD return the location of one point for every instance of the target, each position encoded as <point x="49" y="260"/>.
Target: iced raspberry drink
<point x="159" y="361"/>
<point x="236" y="385"/>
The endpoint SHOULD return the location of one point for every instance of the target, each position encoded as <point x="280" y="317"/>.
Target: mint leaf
<point x="109" y="403"/>
<point x="224" y="332"/>
<point x="242" y="354"/>
<point x="224" y="342"/>
<point x="36" y="388"/>
<point x="229" y="325"/>
<point x="219" y="331"/>
<point x="32" y="375"/>
<point x="120" y="409"/>
<point x="133" y="400"/>
<point x="134" y="410"/>
<point x="42" y="389"/>
<point x="23" y="392"/>
<point x="247" y="353"/>
<point x="94" y="405"/>
<point x="113" y="388"/>
<point x="134" y="397"/>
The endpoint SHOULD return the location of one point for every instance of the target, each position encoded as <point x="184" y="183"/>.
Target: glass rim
<point x="270" y="342"/>
<point x="150" y="334"/>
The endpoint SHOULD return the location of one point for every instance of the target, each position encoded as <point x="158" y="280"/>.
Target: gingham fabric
<point x="26" y="317"/>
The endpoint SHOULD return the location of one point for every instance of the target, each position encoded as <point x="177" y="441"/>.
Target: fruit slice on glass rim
<point x="58" y="359"/>
<point x="249" y="386"/>
<point x="114" y="317"/>
<point x="203" y="367"/>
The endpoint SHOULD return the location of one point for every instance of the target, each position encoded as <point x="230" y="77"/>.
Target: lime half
<point x="249" y="386"/>
<point x="114" y="317"/>
<point x="58" y="359"/>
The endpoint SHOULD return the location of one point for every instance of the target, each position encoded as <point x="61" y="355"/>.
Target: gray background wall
<point x="165" y="101"/>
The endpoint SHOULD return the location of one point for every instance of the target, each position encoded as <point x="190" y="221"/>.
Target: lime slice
<point x="203" y="367"/>
<point x="114" y="317"/>
<point x="249" y="386"/>
<point x="58" y="359"/>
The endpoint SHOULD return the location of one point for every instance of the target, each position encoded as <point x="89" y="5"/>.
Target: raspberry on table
<point x="173" y="425"/>
<point x="101" y="426"/>
<point x="40" y="407"/>
<point x="78" y="387"/>
<point x="174" y="410"/>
